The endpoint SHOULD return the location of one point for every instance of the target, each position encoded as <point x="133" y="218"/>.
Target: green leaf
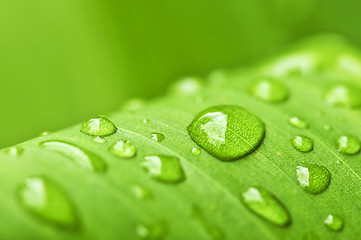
<point x="169" y="189"/>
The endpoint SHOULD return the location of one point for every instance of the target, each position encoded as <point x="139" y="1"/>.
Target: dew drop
<point x="133" y="105"/>
<point x="334" y="222"/>
<point x="227" y="132"/>
<point x="14" y="151"/>
<point x="145" y="121"/>
<point x="158" y="137"/>
<point x="298" y="122"/>
<point x="44" y="133"/>
<point x="265" y="205"/>
<point x="344" y="95"/>
<point x="313" y="178"/>
<point x="187" y="86"/>
<point x="269" y="90"/>
<point x="81" y="157"/>
<point x="123" y="149"/>
<point x="164" y="168"/>
<point x="310" y="236"/>
<point x="302" y="143"/>
<point x="196" y="151"/>
<point x="46" y="200"/>
<point x="152" y="232"/>
<point x="327" y="127"/>
<point x="140" y="192"/>
<point x="99" y="140"/>
<point x="99" y="126"/>
<point x="348" y="144"/>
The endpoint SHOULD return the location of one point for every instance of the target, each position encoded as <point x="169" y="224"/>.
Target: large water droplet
<point x="348" y="144"/>
<point x="158" y="137"/>
<point x="155" y="231"/>
<point x="123" y="149"/>
<point x="298" y="122"/>
<point x="264" y="204"/>
<point x="334" y="222"/>
<point x="302" y="143"/>
<point x="82" y="157"/>
<point x="14" y="151"/>
<point x="227" y="132"/>
<point x="269" y="90"/>
<point x="43" y="198"/>
<point x="344" y="95"/>
<point x="99" y="126"/>
<point x="310" y="236"/>
<point x="314" y="179"/>
<point x="164" y="168"/>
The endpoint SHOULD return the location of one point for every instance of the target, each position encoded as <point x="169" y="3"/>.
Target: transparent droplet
<point x="164" y="168"/>
<point x="313" y="178"/>
<point x="310" y="236"/>
<point x="217" y="77"/>
<point x="46" y="200"/>
<point x="298" y="122"/>
<point x="145" y="121"/>
<point x="14" y="151"/>
<point x="265" y="205"/>
<point x="269" y="90"/>
<point x="133" y="105"/>
<point x="187" y="86"/>
<point x="302" y="143"/>
<point x="81" y="157"/>
<point x="123" y="149"/>
<point x="344" y="95"/>
<point x="348" y="144"/>
<point x="327" y="127"/>
<point x="44" y="133"/>
<point x="155" y="231"/>
<point x="334" y="222"/>
<point x="99" y="140"/>
<point x="158" y="137"/>
<point x="227" y="132"/>
<point x="196" y="151"/>
<point x="140" y="192"/>
<point x="99" y="126"/>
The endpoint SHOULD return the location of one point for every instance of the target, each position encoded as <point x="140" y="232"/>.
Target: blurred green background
<point x="62" y="61"/>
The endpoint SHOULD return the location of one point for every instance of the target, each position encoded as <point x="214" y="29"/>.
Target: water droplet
<point x="314" y="179"/>
<point x="145" y="121"/>
<point x="46" y="200"/>
<point x="164" y="168"/>
<point x="217" y="77"/>
<point x="348" y="144"/>
<point x="158" y="137"/>
<point x="152" y="232"/>
<point x="269" y="90"/>
<point x="298" y="122"/>
<point x="81" y="157"/>
<point x="14" y="151"/>
<point x="302" y="143"/>
<point x="140" y="192"/>
<point x="123" y="149"/>
<point x="267" y="206"/>
<point x="187" y="86"/>
<point x="99" y="140"/>
<point x="310" y="236"/>
<point x="327" y="127"/>
<point x="227" y="132"/>
<point x="44" y="133"/>
<point x="99" y="126"/>
<point x="334" y="222"/>
<point x="133" y="105"/>
<point x="344" y="95"/>
<point x="196" y="151"/>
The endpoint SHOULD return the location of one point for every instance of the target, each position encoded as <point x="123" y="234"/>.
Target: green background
<point x="62" y="61"/>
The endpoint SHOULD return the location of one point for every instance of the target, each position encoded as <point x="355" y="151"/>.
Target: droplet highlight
<point x="155" y="231"/>
<point x="99" y="140"/>
<point x="158" y="137"/>
<point x="123" y="149"/>
<point x="348" y="144"/>
<point x="140" y="192"/>
<point x="334" y="222"/>
<point x="227" y="132"/>
<point x="344" y="95"/>
<point x="269" y="90"/>
<point x="14" y="151"/>
<point x="99" y="126"/>
<point x="313" y="178"/>
<point x="302" y="143"/>
<point x="164" y="168"/>
<point x="196" y="151"/>
<point x="298" y="122"/>
<point x="265" y="205"/>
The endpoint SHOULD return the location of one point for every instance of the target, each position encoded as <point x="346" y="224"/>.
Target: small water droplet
<point x="217" y="77"/>
<point x="269" y="90"/>
<point x="298" y="122"/>
<point x="187" y="86"/>
<point x="123" y="149"/>
<point x="133" y="105"/>
<point x="99" y="140"/>
<point x="140" y="192"/>
<point x="310" y="236"/>
<point x="14" y="151"/>
<point x="344" y="95"/>
<point x="302" y="143"/>
<point x="155" y="231"/>
<point x="46" y="200"/>
<point x="44" y="133"/>
<point x="164" y="168"/>
<point x="145" y="121"/>
<point x="227" y="132"/>
<point x="267" y="206"/>
<point x="348" y="144"/>
<point x="158" y="137"/>
<point x="334" y="222"/>
<point x="327" y="127"/>
<point x="99" y="126"/>
<point x="81" y="157"/>
<point x="313" y="178"/>
<point x="196" y="151"/>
